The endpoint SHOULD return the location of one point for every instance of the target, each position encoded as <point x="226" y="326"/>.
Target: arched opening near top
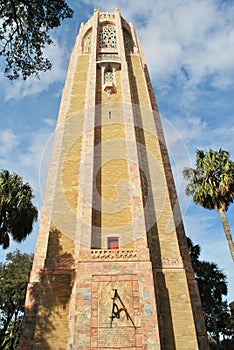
<point x="128" y="41"/>
<point x="86" y="45"/>
<point x="109" y="84"/>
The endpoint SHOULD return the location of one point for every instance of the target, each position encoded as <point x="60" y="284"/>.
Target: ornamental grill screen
<point x="108" y="77"/>
<point x="107" y="37"/>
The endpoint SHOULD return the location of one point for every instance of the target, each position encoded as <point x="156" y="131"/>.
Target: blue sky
<point x="189" y="49"/>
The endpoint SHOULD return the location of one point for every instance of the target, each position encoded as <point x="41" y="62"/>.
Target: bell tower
<point x="111" y="267"/>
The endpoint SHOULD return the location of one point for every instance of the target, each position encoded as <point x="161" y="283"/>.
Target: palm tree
<point x="212" y="185"/>
<point x="194" y="252"/>
<point x="17" y="213"/>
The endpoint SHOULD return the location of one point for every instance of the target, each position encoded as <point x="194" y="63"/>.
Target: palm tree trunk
<point x="227" y="232"/>
<point x="216" y="331"/>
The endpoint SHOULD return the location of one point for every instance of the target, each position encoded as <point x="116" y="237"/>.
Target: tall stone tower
<point x="111" y="268"/>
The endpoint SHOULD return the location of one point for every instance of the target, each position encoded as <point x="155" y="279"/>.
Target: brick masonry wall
<point x="163" y="242"/>
<point x="192" y="284"/>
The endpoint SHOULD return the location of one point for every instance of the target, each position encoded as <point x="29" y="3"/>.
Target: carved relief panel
<point x="115" y="312"/>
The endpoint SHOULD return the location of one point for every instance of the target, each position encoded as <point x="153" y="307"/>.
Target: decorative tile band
<point x="109" y="254"/>
<point x="106" y="15"/>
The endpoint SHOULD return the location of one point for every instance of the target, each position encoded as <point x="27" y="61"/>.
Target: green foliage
<point x="212" y="185"/>
<point x="14" y="275"/>
<point x="212" y="285"/>
<point x="227" y="344"/>
<point x="17" y="213"/>
<point x="24" y="33"/>
<point x="194" y="252"/>
<point x="212" y="181"/>
<point x="228" y="331"/>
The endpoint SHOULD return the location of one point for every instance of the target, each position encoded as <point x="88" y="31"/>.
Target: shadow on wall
<point x="47" y="301"/>
<point x="166" y="329"/>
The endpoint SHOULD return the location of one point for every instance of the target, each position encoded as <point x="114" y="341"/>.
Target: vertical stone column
<point x="85" y="193"/>
<point x="85" y="182"/>
<point x="138" y="221"/>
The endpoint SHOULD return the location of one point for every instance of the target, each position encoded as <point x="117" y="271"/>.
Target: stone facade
<point x="110" y="185"/>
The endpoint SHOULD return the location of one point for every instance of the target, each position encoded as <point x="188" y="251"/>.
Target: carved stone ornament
<point x="168" y="262"/>
<point x="109" y="254"/>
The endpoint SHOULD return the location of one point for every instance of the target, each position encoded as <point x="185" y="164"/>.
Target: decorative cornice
<point x="97" y="255"/>
<point x="108" y="57"/>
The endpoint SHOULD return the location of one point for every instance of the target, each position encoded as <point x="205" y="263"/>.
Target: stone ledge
<point x="95" y="255"/>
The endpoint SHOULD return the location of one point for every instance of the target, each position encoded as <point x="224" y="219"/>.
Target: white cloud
<point x="195" y="34"/>
<point x="190" y="42"/>
<point x="23" y="154"/>
<point x="8" y="142"/>
<point x="183" y="39"/>
<point x="192" y="34"/>
<point x="49" y="121"/>
<point x="32" y="156"/>
<point x="31" y="159"/>
<point x="197" y="133"/>
<point x="191" y="128"/>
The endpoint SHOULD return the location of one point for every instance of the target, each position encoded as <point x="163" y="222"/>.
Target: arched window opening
<point x="109" y="84"/>
<point x="87" y="42"/>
